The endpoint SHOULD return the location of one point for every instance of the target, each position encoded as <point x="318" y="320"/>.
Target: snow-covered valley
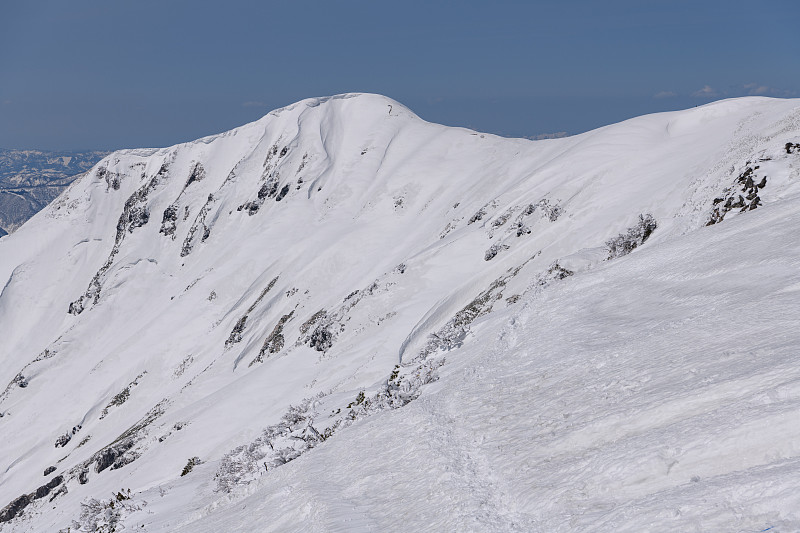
<point x="343" y="318"/>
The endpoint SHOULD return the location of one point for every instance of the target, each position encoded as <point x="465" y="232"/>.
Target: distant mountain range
<point x="31" y="179"/>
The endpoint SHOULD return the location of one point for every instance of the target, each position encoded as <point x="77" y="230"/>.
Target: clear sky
<point x="103" y="74"/>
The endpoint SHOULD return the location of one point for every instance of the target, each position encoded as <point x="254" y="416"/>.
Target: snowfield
<point x="343" y="318"/>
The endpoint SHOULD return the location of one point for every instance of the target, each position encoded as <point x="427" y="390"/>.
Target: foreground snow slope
<point x="220" y="308"/>
<point x="660" y="392"/>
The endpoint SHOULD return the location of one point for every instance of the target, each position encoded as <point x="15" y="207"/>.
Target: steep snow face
<point x="184" y="321"/>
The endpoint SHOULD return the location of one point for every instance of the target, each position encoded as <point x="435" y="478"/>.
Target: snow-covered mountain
<point x="31" y="179"/>
<point x="341" y="317"/>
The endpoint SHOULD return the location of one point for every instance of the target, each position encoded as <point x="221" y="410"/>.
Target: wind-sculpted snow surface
<point x="351" y="319"/>
<point x="656" y="393"/>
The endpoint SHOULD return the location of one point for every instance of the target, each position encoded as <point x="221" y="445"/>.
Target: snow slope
<point x="659" y="393"/>
<point x="31" y="179"/>
<point x="449" y="319"/>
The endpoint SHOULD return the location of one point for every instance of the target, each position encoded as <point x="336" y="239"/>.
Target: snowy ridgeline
<point x="30" y="179"/>
<point x="182" y="324"/>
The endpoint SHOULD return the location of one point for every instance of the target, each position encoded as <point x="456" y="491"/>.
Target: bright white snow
<point x="655" y="391"/>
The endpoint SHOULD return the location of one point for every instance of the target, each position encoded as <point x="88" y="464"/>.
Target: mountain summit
<point x="447" y="329"/>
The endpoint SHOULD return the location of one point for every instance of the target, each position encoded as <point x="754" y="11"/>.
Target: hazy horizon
<point x="89" y="75"/>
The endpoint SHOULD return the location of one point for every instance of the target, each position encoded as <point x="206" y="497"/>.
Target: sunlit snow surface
<point x="659" y="391"/>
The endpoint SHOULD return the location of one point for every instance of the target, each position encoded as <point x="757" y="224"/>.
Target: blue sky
<point x="82" y="74"/>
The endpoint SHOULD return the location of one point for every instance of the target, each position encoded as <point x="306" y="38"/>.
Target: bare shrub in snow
<point x="105" y="516"/>
<point x="194" y="461"/>
<point x="625" y="243"/>
<point x="493" y="250"/>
